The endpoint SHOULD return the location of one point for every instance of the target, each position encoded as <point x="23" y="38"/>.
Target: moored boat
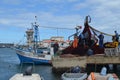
<point x="27" y="75"/>
<point x="20" y="76"/>
<point x="97" y="76"/>
<point x="30" y="57"/>
<point x="74" y="74"/>
<point x="103" y="75"/>
<point x="31" y="53"/>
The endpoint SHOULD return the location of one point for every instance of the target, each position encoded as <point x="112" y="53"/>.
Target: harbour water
<point x="10" y="65"/>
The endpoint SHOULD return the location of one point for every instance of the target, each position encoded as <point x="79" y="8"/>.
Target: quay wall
<point x="62" y="64"/>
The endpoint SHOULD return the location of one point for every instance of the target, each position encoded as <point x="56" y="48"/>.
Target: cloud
<point x="10" y="2"/>
<point x="44" y="19"/>
<point x="61" y="1"/>
<point x="80" y="6"/>
<point x="12" y="22"/>
<point x="19" y="14"/>
<point x="105" y="13"/>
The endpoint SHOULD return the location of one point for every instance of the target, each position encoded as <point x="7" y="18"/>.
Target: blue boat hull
<point x="25" y="59"/>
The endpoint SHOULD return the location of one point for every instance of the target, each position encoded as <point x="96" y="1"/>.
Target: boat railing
<point x="27" y="64"/>
<point x="75" y="75"/>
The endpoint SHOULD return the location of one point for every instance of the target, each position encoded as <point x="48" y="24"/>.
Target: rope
<point x="100" y="31"/>
<point x="21" y="40"/>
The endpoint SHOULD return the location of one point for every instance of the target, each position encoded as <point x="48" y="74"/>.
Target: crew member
<point x="101" y="38"/>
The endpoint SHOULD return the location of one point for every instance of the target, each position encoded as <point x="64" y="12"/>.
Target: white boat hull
<point x="74" y="76"/>
<point x="28" y="77"/>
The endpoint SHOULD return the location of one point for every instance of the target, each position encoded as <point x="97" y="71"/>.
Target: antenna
<point x="35" y="19"/>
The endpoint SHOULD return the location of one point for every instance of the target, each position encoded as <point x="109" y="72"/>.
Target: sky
<point x="17" y="15"/>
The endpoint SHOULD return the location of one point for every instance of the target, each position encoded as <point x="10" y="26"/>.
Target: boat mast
<point x="36" y="35"/>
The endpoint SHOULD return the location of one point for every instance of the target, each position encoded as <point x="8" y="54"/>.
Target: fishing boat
<point x="30" y="54"/>
<point x="74" y="74"/>
<point x="89" y="39"/>
<point x="31" y="57"/>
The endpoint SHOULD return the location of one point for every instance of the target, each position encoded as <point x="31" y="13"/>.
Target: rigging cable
<point x="100" y="31"/>
<point x="21" y="40"/>
<point x="56" y="27"/>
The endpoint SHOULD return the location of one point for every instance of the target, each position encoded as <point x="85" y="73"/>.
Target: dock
<point x="61" y="64"/>
<point x="101" y="59"/>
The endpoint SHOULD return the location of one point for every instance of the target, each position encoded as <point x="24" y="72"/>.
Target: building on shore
<point x="49" y="42"/>
<point x="57" y="38"/>
<point x="6" y="45"/>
